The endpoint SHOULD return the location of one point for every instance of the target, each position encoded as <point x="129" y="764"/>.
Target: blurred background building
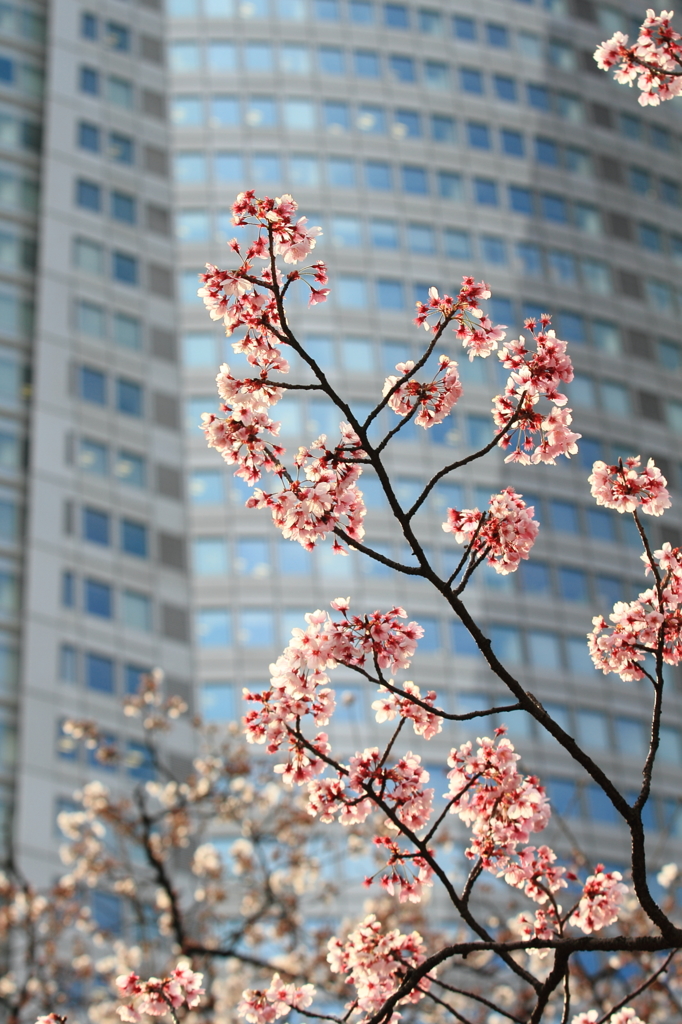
<point x="429" y="141"/>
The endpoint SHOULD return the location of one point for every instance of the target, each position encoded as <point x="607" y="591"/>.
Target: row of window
<point x="96" y="321"/>
<point x="19" y="132"/>
<point x="98" y="671"/>
<point x="119" y="148"/>
<point x="121" y="92"/>
<point x="122" y="267"/>
<point x="113" y="34"/>
<point x="94" y="386"/>
<point x="23" y="75"/>
<point x="22" y="23"/>
<point x="134" y="757"/>
<point x="131" y="608"/>
<point x="97" y="526"/>
<point x="121" y="206"/>
<point x="97" y="458"/>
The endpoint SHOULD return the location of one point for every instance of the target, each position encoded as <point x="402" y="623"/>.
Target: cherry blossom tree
<point x="378" y="967"/>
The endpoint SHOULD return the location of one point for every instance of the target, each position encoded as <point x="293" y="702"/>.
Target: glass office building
<point x="431" y="142"/>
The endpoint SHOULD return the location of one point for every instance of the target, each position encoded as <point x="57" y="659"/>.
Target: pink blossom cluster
<point x="625" y="1016"/>
<point x="474" y="329"/>
<point x="626" y="489"/>
<point x="505" y="533"/>
<point x="638" y="627"/>
<point x="310" y="507"/>
<point x="425" y="723"/>
<point x="654" y="61"/>
<point x="540" y="437"/>
<point x="157" y="995"/>
<point x="375" y="963"/>
<point x="263" y="1006"/>
<point x="405" y="872"/>
<point x="434" y="400"/>
<point x="602" y="896"/>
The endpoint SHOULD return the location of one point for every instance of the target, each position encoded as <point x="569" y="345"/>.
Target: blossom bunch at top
<point x="626" y="488"/>
<point x="157" y="996"/>
<point x="375" y="963"/>
<point x="434" y="399"/>
<point x="654" y="60"/>
<point x="471" y="325"/>
<point x="505" y="533"/>
<point x="263" y="1006"/>
<point x="535" y="375"/>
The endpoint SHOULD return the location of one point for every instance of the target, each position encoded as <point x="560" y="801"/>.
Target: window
<point x="257" y="56"/>
<point x="450" y="185"/>
<point x="377" y="175"/>
<point x="512" y="142"/>
<point x="89" y="81"/>
<point x="299" y="115"/>
<point x="139" y="763"/>
<point x="190" y="168"/>
<point x="213" y="627"/>
<point x="371" y="119"/>
<point x="96" y="526"/>
<point x="98" y="599"/>
<point x="530" y="256"/>
<point x="92" y="385"/>
<point x="128" y="397"/>
<point x="384" y="234"/>
<point x="573" y="584"/>
<point x="463" y="643"/>
<point x="91" y="319"/>
<point x="564" y="516"/>
<point x="366" y="63"/>
<point x="493" y="249"/>
<point x="478" y="135"/>
<point x="331" y="60"/>
<point x="421" y="239"/>
<point x="88" y="195"/>
<point x="117" y="37"/>
<point x="631" y="737"/>
<point x="225" y="111"/>
<point x="123" y="207"/>
<point x="436" y="74"/>
<point x="184" y="56"/>
<point x="256" y="628"/>
<point x="485" y="191"/>
<point x="227" y="167"/>
<point x="587" y="218"/>
<point x="210" y="556"/>
<point x="206" y="487"/>
<point x="497" y="35"/>
<point x="661" y="138"/>
<point x="554" y="208"/>
<point x="120" y="92"/>
<point x="430" y="22"/>
<point x="407" y="124"/>
<point x="89" y="136"/>
<point x="133" y="677"/>
<point x="535" y="578"/>
<point x="327" y="10"/>
<point x="471" y="80"/>
<point x="547" y="152"/>
<point x="396" y="16"/>
<point x="390" y="294"/>
<point x="336" y="116"/>
<point x="361" y="12"/>
<point x="218" y="702"/>
<point x="669" y="192"/>
<point x="505" y="88"/>
<point x="650" y="237"/>
<point x="403" y="68"/>
<point x="443" y="128"/>
<point x="124" y="268"/>
<point x="253" y="557"/>
<point x="616" y="399"/>
<point x="294" y="59"/>
<point x="99" y="673"/>
<point x="89" y="26"/>
<point x="134" y="538"/>
<point x="68" y="663"/>
<point x="130" y="469"/>
<point x="600" y="525"/>
<point x="457" y="244"/>
<point x="93" y="457"/>
<point x="563" y="267"/>
<point x="137" y="610"/>
<point x="543" y="648"/>
<point x="579" y="660"/>
<point x="414" y="180"/>
<point x="464" y="28"/>
<point x="346" y="232"/>
<point x="261" y="112"/>
<point x="538" y="97"/>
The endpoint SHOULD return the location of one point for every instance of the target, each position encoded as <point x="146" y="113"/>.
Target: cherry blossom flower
<point x="405" y="873"/>
<point x="424" y="722"/>
<point x="473" y="328"/>
<point x="435" y="399"/>
<point x="653" y="60"/>
<point x="505" y="533"/>
<point x="625" y="489"/>
<point x="586" y="1018"/>
<point x="267" y="1005"/>
<point x="157" y="996"/>
<point x="601" y="898"/>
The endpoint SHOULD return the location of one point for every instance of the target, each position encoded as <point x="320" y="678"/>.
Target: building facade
<point x="430" y="142"/>
<point x="94" y="578"/>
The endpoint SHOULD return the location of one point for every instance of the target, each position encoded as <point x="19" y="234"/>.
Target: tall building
<point x="92" y="522"/>
<point x="431" y="142"/>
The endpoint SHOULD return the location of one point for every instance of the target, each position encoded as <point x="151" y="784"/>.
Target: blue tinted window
<point x="207" y="487"/>
<point x="128" y="397"/>
<point x="89" y="81"/>
<point x="361" y="12"/>
<point x="512" y="142"/>
<point x="409" y="123"/>
<point x="462" y="641"/>
<point x="554" y="208"/>
<point x="430" y="642"/>
<point x="228" y="167"/>
<point x="139" y="761"/>
<point x="98" y="599"/>
<point x="390" y="294"/>
<point x="218" y="702"/>
<point x="89" y="136"/>
<point x="464" y="28"/>
<point x="89" y="195"/>
<point x="573" y="584"/>
<point x="396" y="16"/>
<point x="563" y="795"/>
<point x="123" y="207"/>
<point x="564" y="516"/>
<point x="336" y="115"/>
<point x="415" y="180"/>
<point x="190" y="167"/>
<point x="485" y="191"/>
<point x="505" y="88"/>
<point x="96" y="526"/>
<point x="261" y="112"/>
<point x="669" y="191"/>
<point x="124" y="268"/>
<point x="547" y="152"/>
<point x="471" y="80"/>
<point x="457" y="244"/>
<point x="478" y="135"/>
<point x="609" y="589"/>
<point x="493" y="249"/>
<point x="661" y="137"/>
<point x="366" y="63"/>
<point x="520" y="199"/>
<point x="213" y="627"/>
<point x="130" y="469"/>
<point x="89" y="26"/>
<point x="256" y="628"/>
<point x="99" y="673"/>
<point x="134" y="538"/>
<point x="327" y="10"/>
<point x="403" y="68"/>
<point x="377" y="175"/>
<point x="571" y="326"/>
<point x="443" y="128"/>
<point x="332" y="60"/>
<point x="384" y="234"/>
<point x="133" y="676"/>
<point x="93" y="385"/>
<point x="506" y="642"/>
<point x="121" y="148"/>
<point x="266" y="168"/>
<point x="293" y="559"/>
<point x="535" y="577"/>
<point x="225" y="110"/>
<point x="544" y="650"/>
<point x="118" y="37"/>
<point x="450" y="185"/>
<point x="68" y="663"/>
<point x="538" y="96"/>
<point x="187" y="111"/>
<point x="371" y="119"/>
<point x="600" y="524"/>
<point x="530" y="255"/>
<point x="497" y="35"/>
